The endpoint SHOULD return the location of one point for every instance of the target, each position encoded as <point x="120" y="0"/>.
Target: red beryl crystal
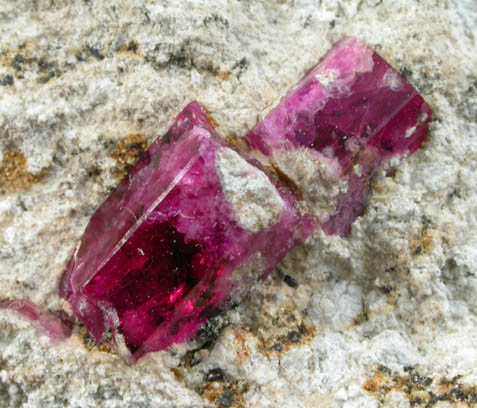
<point x="186" y="233"/>
<point x="351" y="117"/>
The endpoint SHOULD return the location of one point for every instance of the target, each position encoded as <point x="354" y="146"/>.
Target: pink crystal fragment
<point x="168" y="248"/>
<point x="354" y="113"/>
<point x="45" y="325"/>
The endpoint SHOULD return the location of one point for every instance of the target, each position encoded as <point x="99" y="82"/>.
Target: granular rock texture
<point x="385" y="317"/>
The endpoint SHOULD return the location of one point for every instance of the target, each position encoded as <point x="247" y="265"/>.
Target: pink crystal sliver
<point x="45" y="325"/>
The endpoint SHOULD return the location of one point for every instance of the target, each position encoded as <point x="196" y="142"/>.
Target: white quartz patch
<point x="253" y="197"/>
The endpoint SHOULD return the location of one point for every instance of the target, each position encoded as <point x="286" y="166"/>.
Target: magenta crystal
<point x="342" y="124"/>
<point x="187" y="232"/>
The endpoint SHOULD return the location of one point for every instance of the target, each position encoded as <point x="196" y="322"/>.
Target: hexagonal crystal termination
<point x="351" y="116"/>
<point x="187" y="232"/>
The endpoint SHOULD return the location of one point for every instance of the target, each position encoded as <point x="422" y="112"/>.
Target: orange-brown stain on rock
<point x="214" y="70"/>
<point x="132" y="47"/>
<point x="14" y="174"/>
<point x="280" y="333"/>
<point x="127" y="152"/>
<point x="284" y="179"/>
<point x="91" y="344"/>
<point x="243" y="351"/>
<point x="236" y="142"/>
<point x="421" y="390"/>
<point x="424" y="242"/>
<point x="225" y="394"/>
<point x="211" y="119"/>
<point x="178" y="373"/>
<point x="297" y="334"/>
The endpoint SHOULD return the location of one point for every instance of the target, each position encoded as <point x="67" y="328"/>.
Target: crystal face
<point x="186" y="233"/>
<point x="351" y="117"/>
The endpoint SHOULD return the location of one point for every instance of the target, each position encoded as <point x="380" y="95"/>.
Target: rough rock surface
<point x="384" y="318"/>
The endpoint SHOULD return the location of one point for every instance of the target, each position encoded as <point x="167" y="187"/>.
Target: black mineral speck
<point x="132" y="47"/>
<point x="406" y="73"/>
<point x="240" y="66"/>
<point x="226" y="399"/>
<point x="455" y="193"/>
<point x="18" y="61"/>
<point x="94" y="52"/>
<point x="453" y="380"/>
<point x="43" y="65"/>
<point x="276" y="347"/>
<point x="458" y="394"/>
<point x="12" y="395"/>
<point x="290" y="281"/>
<point x="215" y="374"/>
<point x="208" y="334"/>
<point x="384" y="369"/>
<point x="55" y="72"/>
<point x="7" y="80"/>
<point x="219" y="20"/>
<point x="426" y="222"/>
<point x="308" y="21"/>
<point x="190" y="359"/>
<point x="106" y="392"/>
<point x="293" y="336"/>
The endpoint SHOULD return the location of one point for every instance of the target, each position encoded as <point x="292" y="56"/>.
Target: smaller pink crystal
<point x="186" y="233"/>
<point x="351" y="116"/>
<point x="44" y="325"/>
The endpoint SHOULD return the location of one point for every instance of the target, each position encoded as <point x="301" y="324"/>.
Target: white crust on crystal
<point x="315" y="175"/>
<point x="327" y="77"/>
<point x="253" y="197"/>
